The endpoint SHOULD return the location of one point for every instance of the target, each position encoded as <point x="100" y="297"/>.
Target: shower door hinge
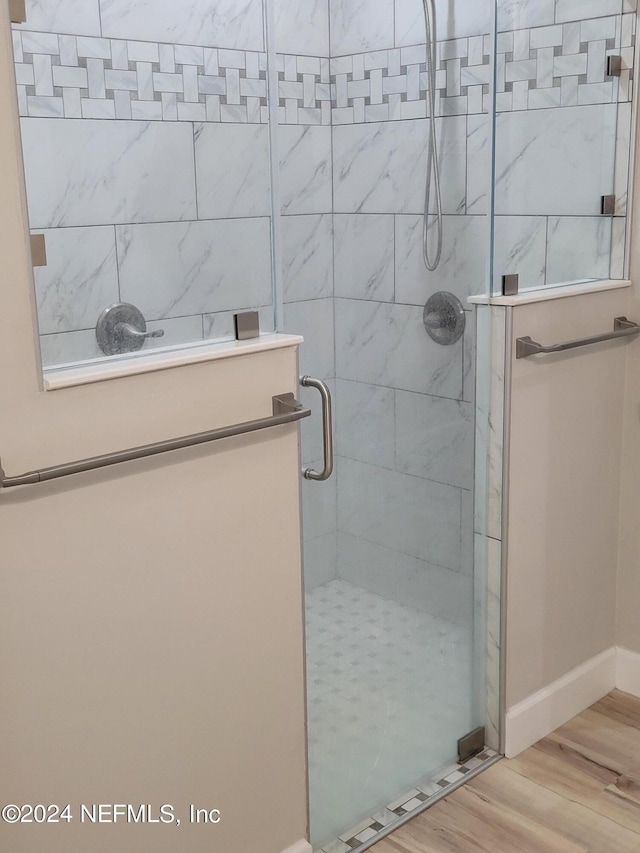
<point x="38" y="250"/>
<point x="17" y="11"/>
<point x="470" y="745"/>
<point x="614" y="66"/>
<point x="608" y="205"/>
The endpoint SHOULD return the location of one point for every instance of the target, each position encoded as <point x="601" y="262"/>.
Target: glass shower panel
<point x="562" y="141"/>
<point x="389" y="540"/>
<point x="147" y="158"/>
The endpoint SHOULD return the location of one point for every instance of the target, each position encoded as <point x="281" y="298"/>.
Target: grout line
<point x="115" y="244"/>
<point x="195" y="170"/>
<point x="546" y="251"/>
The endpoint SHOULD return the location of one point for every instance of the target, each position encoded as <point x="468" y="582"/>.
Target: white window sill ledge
<point x="102" y="370"/>
<point x="546" y="294"/>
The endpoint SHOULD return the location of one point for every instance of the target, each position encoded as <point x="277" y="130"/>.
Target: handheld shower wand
<point x="433" y="167"/>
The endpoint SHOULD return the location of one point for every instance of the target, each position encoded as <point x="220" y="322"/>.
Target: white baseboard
<point x="628" y="671"/>
<point x="301" y="846"/>
<point x="554" y="705"/>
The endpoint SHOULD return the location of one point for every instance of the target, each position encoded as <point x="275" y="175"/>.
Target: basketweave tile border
<point x="539" y="68"/>
<point x="561" y="65"/>
<point x="65" y="76"/>
<point x="62" y="76"/>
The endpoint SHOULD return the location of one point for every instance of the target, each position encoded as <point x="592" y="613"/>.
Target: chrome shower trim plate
<point x="444" y="318"/>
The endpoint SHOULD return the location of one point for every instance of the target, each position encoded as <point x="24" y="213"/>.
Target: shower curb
<point x="369" y="831"/>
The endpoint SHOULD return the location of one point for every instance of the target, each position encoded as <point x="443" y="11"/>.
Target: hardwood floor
<point x="577" y="790"/>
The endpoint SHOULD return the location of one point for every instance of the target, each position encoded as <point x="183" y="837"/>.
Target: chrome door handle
<point x="327" y="430"/>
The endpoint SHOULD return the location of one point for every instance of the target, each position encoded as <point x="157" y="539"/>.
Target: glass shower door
<point x="393" y="612"/>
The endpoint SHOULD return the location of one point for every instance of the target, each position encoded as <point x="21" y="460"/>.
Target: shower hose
<point x="433" y="168"/>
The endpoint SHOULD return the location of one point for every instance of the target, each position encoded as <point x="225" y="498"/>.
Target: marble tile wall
<point x="404" y="403"/>
<point x="159" y="204"/>
<point x="375" y="101"/>
<point x="405" y="456"/>
<point x="359" y="26"/>
<point x="187" y="22"/>
<point x="182" y="171"/>
<point x="552" y="162"/>
<point x="406" y="411"/>
<point x="562" y="141"/>
<point x="140" y="211"/>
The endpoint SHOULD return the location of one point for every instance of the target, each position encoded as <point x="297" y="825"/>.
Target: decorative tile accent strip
<point x="555" y="66"/>
<point x="79" y="77"/>
<point x="392" y="84"/>
<point x="412" y="801"/>
<point x="304" y="90"/>
<point x="561" y="65"/>
<point x="565" y="65"/>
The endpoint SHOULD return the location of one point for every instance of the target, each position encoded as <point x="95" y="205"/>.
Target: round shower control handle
<point x="121" y="328"/>
<point x="444" y="318"/>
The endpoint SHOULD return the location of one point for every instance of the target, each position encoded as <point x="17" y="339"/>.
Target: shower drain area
<point x="388" y="697"/>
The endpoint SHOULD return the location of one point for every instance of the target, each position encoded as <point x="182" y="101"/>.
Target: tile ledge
<point x="546" y="294"/>
<point x="100" y="371"/>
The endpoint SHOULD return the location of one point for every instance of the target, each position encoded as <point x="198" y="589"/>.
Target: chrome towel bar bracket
<point x="622" y="328"/>
<point x="286" y="410"/>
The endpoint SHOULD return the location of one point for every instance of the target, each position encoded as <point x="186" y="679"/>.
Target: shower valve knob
<point x="435" y="321"/>
<point x="122" y="328"/>
<point x="444" y="318"/>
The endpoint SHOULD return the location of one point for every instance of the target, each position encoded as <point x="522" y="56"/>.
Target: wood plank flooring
<point x="576" y="791"/>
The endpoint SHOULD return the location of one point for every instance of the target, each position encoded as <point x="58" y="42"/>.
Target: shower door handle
<point x="327" y="430"/>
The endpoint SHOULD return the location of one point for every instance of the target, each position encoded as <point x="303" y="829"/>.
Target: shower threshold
<point x="424" y="795"/>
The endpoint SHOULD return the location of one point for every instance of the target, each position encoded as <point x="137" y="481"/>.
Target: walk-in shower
<point x="185" y="164"/>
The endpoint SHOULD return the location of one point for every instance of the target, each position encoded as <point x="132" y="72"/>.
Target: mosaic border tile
<point x="305" y="94"/>
<point x="561" y="65"/>
<point x="385" y="85"/>
<point x="366" y="832"/>
<point x="63" y="76"/>
<point x="539" y="68"/>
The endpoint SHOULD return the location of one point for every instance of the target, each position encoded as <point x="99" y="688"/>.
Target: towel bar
<point x="622" y="328"/>
<point x="286" y="410"/>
